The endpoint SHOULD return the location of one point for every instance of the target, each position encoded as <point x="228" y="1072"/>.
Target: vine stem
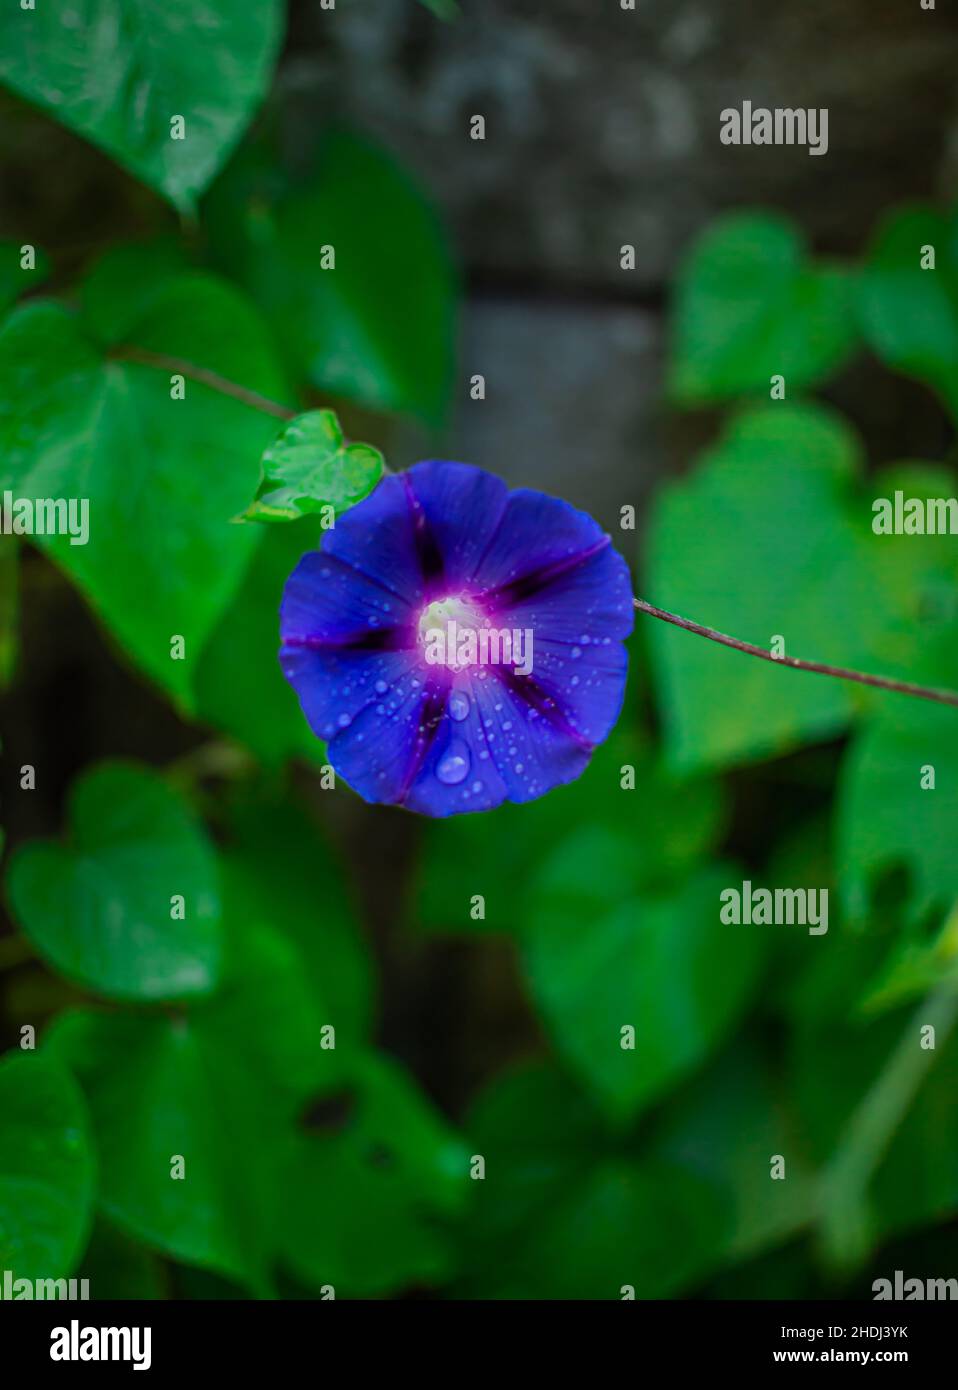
<point x="922" y="692"/>
<point x="215" y="382"/>
<point x="205" y="377"/>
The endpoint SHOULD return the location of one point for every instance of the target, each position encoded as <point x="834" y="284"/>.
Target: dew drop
<point x="576" y="653"/>
<point x="458" y="705"/>
<point x="381" y="687"/>
<point x="344" y="721"/>
<point x="453" y="766"/>
<point x="477" y="786"/>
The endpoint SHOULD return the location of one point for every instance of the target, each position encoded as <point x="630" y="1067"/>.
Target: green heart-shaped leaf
<point x="751" y="306"/>
<point x="161" y="463"/>
<point x="310" y="467"/>
<point x="909" y="305"/>
<point x="604" y="955"/>
<point x="121" y="73"/>
<point x="130" y="906"/>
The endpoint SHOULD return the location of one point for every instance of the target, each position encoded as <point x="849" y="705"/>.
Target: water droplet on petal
<point x="453" y="766"/>
<point x="344" y="721"/>
<point x="381" y="687"/>
<point x="576" y="653"/>
<point x="459" y="705"/>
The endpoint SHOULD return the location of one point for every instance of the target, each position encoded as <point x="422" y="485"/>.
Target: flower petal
<point x="537" y="539"/>
<point x="378" y="539"/>
<point x="327" y="602"/>
<point x="461" y="507"/>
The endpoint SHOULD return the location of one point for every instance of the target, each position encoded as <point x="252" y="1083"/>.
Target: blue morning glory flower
<point x="457" y="644"/>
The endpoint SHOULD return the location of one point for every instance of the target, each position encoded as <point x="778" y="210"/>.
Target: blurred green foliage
<point x="200" y="927"/>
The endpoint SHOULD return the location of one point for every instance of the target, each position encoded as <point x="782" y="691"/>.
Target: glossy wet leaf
<point x="129" y="905"/>
<point x="118" y="72"/>
<point x="309" y="467"/>
<point x="162" y="476"/>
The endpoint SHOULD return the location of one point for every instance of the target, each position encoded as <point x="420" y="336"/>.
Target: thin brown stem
<point x="922" y="692"/>
<point x="205" y="377"/>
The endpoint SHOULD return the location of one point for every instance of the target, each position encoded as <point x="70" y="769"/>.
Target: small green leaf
<point x="46" y="1168"/>
<point x="603" y="955"/>
<point x="310" y="467"/>
<point x="750" y="306"/>
<point x="105" y="908"/>
<point x="121" y="73"/>
<point x="909" y="313"/>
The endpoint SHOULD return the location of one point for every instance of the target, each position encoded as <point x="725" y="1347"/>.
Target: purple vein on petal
<point x="528" y="690"/>
<point x="516" y="590"/>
